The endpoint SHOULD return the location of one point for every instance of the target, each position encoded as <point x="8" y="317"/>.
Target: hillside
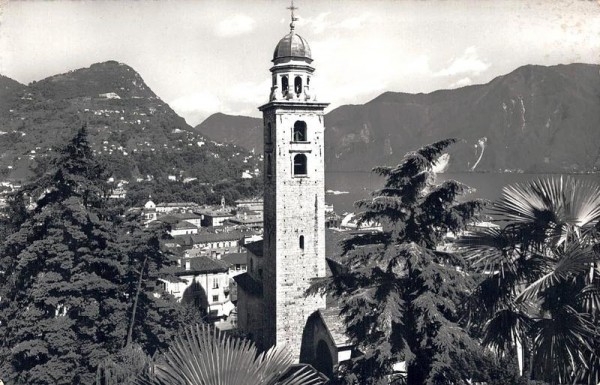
<point x="243" y="131"/>
<point x="534" y="119"/>
<point x="129" y="125"/>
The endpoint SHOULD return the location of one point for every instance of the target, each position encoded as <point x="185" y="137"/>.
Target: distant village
<point x="210" y="245"/>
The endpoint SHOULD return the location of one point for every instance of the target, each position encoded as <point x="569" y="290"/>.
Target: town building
<point x="174" y="207"/>
<point x="247" y="219"/>
<point x="149" y="212"/>
<point x="217" y="243"/>
<point x="238" y="264"/>
<point x="249" y="204"/>
<point x="183" y="228"/>
<point x="214" y="217"/>
<point x="203" y="282"/>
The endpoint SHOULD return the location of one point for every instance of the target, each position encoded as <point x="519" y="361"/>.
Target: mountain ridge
<point x="137" y="132"/>
<point x="534" y="119"/>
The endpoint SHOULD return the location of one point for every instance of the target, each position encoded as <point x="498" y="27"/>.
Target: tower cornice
<point x="293" y="105"/>
<point x="291" y="66"/>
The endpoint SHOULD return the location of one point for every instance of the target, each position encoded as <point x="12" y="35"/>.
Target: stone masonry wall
<point x="294" y="207"/>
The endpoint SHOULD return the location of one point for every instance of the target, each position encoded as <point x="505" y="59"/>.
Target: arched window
<point x="269" y="165"/>
<point x="301" y="242"/>
<point x="284" y="85"/>
<point x="300" y="164"/>
<point x="269" y="133"/>
<point x="300" y="131"/>
<point x="298" y="85"/>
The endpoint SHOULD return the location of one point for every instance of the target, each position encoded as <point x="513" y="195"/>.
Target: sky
<point x="210" y="56"/>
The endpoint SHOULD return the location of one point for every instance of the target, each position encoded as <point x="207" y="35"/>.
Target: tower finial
<point x="292" y="9"/>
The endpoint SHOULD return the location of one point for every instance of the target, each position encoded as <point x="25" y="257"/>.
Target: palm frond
<point x="569" y="206"/>
<point x="589" y="297"/>
<point x="204" y="355"/>
<point x="571" y="262"/>
<point x="505" y="328"/>
<point x="560" y="345"/>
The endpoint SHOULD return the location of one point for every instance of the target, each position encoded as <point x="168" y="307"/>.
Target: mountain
<point x="535" y="119"/>
<point x="243" y="131"/>
<point x="129" y="125"/>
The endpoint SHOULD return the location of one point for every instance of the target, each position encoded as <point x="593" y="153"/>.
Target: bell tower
<point x="294" y="188"/>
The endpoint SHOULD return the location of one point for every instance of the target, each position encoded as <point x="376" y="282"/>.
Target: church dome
<point x="292" y="45"/>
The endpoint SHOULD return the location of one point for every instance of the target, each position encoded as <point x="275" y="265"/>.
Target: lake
<point x="359" y="185"/>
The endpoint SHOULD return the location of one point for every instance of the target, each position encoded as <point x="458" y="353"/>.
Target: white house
<point x="203" y="282"/>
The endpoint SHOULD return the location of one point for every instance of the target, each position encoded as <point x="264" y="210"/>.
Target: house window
<point x="300" y="164"/>
<point x="301" y="242"/>
<point x="299" y="131"/>
<point x="237" y="266"/>
<point x="215" y="298"/>
<point x="215" y="283"/>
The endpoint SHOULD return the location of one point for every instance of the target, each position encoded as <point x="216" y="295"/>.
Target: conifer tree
<point x="153" y="320"/>
<point x="66" y="277"/>
<point x="61" y="309"/>
<point x="398" y="292"/>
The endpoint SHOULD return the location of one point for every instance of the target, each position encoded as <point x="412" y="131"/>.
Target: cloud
<point x="317" y="24"/>
<point x="353" y="23"/>
<point x="466" y="81"/>
<point x="322" y="23"/>
<point x="235" y="25"/>
<point x="196" y="106"/>
<point x="468" y="63"/>
<point x="250" y="92"/>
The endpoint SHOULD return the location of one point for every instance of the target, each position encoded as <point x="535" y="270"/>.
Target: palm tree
<point x="540" y="287"/>
<point x="203" y="355"/>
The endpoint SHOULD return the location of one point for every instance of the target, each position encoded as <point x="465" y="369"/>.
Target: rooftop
<point x="199" y="265"/>
<point x="235" y="258"/>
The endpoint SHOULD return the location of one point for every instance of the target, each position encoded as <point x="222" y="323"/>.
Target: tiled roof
<point x="199" y="265"/>
<point x="335" y="326"/>
<point x="177" y="204"/>
<point x="184" y="225"/>
<point x="214" y="213"/>
<point x="219" y="237"/>
<point x="235" y="258"/>
<point x="248" y="284"/>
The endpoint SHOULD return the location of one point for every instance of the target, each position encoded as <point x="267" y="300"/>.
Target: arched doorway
<point x="324" y="361"/>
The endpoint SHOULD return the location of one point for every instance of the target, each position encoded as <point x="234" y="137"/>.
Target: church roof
<point x="255" y="247"/>
<point x="335" y="326"/>
<point x="249" y="284"/>
<point x="292" y="45"/>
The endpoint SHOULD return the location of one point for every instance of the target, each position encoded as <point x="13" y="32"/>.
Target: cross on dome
<point x="292" y="8"/>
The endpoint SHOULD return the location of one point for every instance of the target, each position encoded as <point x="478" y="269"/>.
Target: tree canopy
<point x="399" y="292"/>
<point x="65" y="279"/>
